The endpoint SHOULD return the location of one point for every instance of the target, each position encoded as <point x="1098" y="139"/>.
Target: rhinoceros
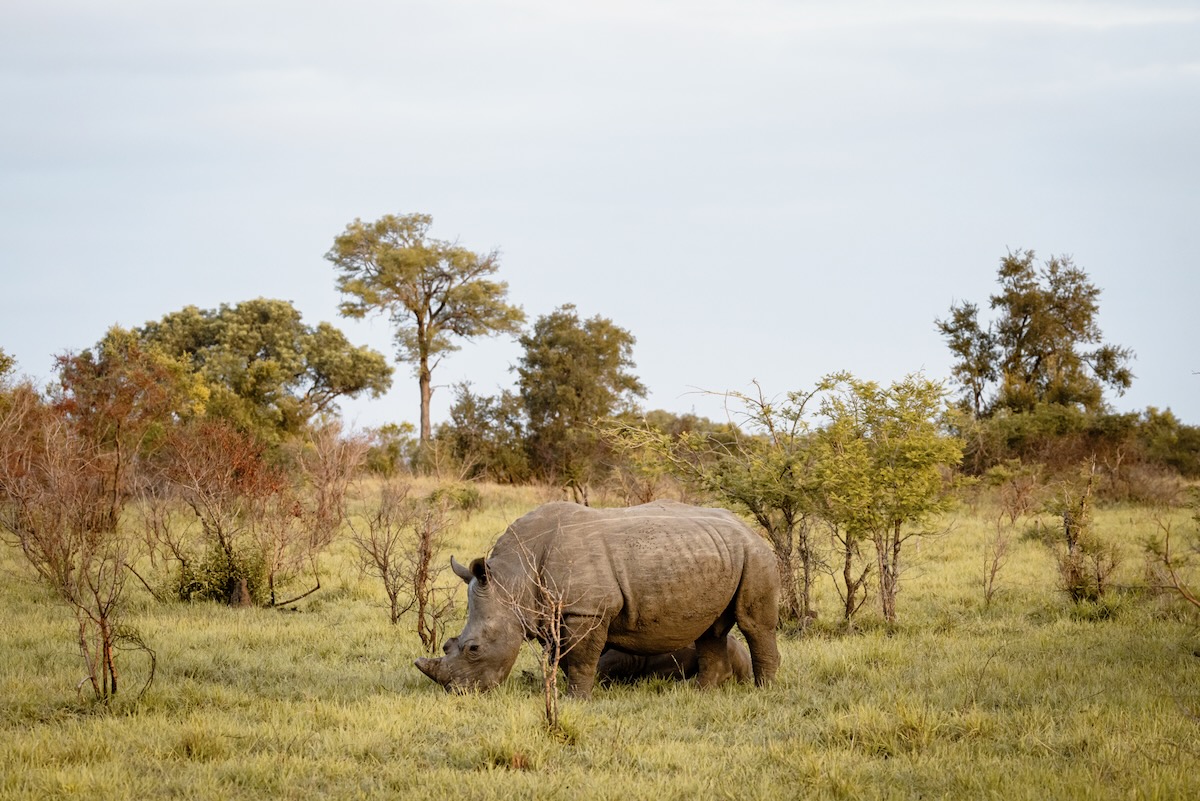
<point x="645" y="580"/>
<point x="619" y="667"/>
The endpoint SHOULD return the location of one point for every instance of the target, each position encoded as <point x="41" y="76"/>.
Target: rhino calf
<point x="618" y="667"/>
<point x="644" y="581"/>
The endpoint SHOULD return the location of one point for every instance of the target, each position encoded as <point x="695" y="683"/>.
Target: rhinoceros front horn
<point x="460" y="571"/>
<point x="432" y="668"/>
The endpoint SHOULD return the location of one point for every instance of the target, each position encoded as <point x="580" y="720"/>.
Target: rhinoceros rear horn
<point x="479" y="570"/>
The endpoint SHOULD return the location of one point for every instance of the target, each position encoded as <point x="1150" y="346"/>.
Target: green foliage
<point x="573" y="374"/>
<point x="881" y="466"/>
<point x="1168" y="441"/>
<point x="640" y="443"/>
<point x="216" y="577"/>
<point x="1139" y="456"/>
<point x="392" y="448"/>
<point x="433" y="291"/>
<point x="265" y="370"/>
<point x="486" y="436"/>
<point x="1036" y="350"/>
<point x="459" y="496"/>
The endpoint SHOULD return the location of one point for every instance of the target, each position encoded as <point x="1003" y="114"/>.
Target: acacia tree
<point x="885" y="479"/>
<point x="1044" y="345"/>
<point x="842" y="469"/>
<point x="433" y="291"/>
<point x="573" y="374"/>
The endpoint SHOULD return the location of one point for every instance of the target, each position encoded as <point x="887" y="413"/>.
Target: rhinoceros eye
<point x="473" y="648"/>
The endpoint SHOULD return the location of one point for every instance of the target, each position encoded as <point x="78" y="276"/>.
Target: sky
<point x="759" y="191"/>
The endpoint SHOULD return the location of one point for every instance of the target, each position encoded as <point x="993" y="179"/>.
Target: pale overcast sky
<point x="756" y="190"/>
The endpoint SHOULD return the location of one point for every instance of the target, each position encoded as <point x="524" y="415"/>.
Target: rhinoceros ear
<point x="460" y="571"/>
<point x="479" y="570"/>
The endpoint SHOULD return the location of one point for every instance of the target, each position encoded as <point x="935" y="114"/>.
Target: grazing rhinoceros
<point x="618" y="667"/>
<point x="646" y="580"/>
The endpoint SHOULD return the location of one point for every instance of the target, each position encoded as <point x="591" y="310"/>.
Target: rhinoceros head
<point x="481" y="656"/>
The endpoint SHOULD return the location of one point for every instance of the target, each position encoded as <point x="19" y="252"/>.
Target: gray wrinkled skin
<point x="645" y="581"/>
<point x="618" y="667"/>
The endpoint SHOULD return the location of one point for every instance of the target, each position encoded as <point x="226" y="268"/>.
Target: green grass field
<point x="1028" y="698"/>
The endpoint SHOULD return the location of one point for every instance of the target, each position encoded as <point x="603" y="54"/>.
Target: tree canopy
<point x="433" y="291"/>
<point x="1044" y="345"/>
<point x="267" y="372"/>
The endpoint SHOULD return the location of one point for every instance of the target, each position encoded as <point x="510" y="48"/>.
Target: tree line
<point x="213" y="435"/>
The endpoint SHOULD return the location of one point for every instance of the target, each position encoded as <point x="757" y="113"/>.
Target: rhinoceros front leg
<point x="587" y="638"/>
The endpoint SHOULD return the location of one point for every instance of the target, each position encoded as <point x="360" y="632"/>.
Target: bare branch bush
<point x="56" y="502"/>
<point x="543" y="604"/>
<point x="1085" y="562"/>
<point x="1170" y="570"/>
<point x="260" y="527"/>
<point x="995" y="556"/>
<point x="299" y="521"/>
<point x="220" y="474"/>
<point x="399" y="542"/>
<point x="1017" y="486"/>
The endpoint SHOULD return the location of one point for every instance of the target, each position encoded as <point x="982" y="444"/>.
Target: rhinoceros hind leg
<point x="715" y="667"/>
<point x="758" y="617"/>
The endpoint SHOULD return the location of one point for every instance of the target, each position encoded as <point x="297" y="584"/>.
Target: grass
<point x="1028" y="698"/>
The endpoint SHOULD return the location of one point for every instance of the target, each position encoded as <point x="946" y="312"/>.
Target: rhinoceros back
<point x="661" y="573"/>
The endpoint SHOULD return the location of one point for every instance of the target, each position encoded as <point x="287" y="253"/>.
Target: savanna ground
<point x="1029" y="697"/>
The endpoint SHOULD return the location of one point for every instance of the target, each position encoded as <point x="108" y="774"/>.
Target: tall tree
<point x="433" y="291"/>
<point x="1044" y="346"/>
<point x="268" y="372"/>
<point x="573" y="373"/>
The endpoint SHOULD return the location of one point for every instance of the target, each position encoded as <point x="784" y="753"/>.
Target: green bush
<point x="460" y="496"/>
<point x="216" y="578"/>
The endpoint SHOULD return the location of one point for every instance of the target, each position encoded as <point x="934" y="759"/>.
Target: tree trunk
<point x="851" y="585"/>
<point x="787" y="582"/>
<point x="887" y="546"/>
<point x="425" y="377"/>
